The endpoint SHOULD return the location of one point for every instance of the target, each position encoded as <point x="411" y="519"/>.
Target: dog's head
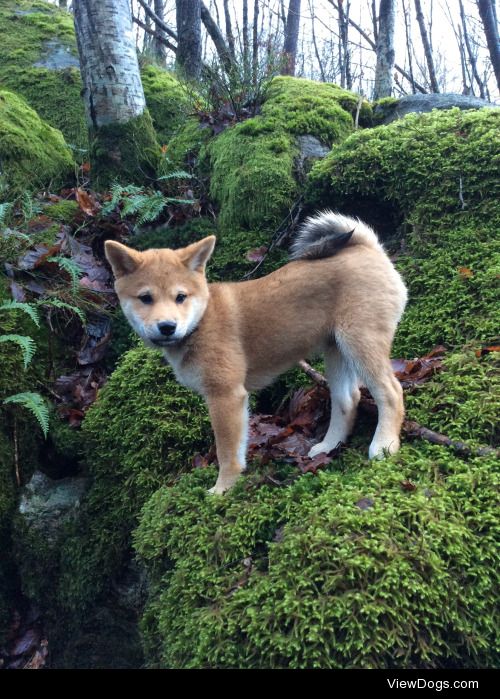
<point x="163" y="293"/>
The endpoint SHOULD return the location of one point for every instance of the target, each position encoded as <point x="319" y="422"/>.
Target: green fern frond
<point x="36" y="404"/>
<point x="29" y="207"/>
<point x="176" y="200"/>
<point x="27" y="308"/>
<point x="71" y="267"/>
<point x="57" y="303"/>
<point x="177" y="175"/>
<point x="26" y="344"/>
<point x="4" y="211"/>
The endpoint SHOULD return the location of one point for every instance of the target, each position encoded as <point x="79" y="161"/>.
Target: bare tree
<point x="427" y="47"/>
<point x="216" y="35"/>
<point x="470" y="51"/>
<point x="315" y="43"/>
<point x="255" y="46"/>
<point x="409" y="44"/>
<point x="385" y="49"/>
<point x="291" y="37"/>
<point x="159" y="48"/>
<point x="344" y="55"/>
<point x="120" y="129"/>
<point x="487" y="11"/>
<point x="63" y="4"/>
<point x="229" y="30"/>
<point x="188" y="57"/>
<point x="246" y="49"/>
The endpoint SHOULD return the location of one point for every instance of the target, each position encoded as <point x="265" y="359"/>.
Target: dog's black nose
<point x="167" y="327"/>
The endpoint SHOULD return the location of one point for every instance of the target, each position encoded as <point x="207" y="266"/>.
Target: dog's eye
<point x="146" y="298"/>
<point x="180" y="298"/>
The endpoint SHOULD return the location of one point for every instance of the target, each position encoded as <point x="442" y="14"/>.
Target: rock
<point x="58" y="56"/>
<point x="389" y="110"/>
<point x="46" y="504"/>
<point x="310" y="147"/>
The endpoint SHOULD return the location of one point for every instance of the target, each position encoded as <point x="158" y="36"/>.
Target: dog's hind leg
<point x="344" y="392"/>
<point x="372" y="364"/>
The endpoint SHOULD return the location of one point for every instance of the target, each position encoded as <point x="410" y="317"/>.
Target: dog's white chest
<point x="185" y="375"/>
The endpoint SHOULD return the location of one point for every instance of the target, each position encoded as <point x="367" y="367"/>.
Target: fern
<point x="135" y="201"/>
<point x="177" y="175"/>
<point x="27" y="308"/>
<point x="29" y="207"/>
<point x="36" y="404"/>
<point x="57" y="303"/>
<point x="4" y="211"/>
<point x="26" y="344"/>
<point x="71" y="267"/>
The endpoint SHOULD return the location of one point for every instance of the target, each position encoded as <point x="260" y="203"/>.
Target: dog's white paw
<point x="224" y="484"/>
<point x="321" y="448"/>
<point x="381" y="450"/>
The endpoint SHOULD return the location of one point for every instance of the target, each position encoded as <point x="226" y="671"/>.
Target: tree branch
<point x="216" y="35"/>
<point x="159" y="22"/>
<point x="159" y="37"/>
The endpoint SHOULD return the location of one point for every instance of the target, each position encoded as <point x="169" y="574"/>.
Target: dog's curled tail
<point x="326" y="233"/>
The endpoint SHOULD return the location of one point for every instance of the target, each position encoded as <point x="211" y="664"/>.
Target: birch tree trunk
<point x="385" y="50"/>
<point x="490" y="24"/>
<point x="427" y="47"/>
<point x="123" y="143"/>
<point x="291" y="37"/>
<point x="189" y="43"/>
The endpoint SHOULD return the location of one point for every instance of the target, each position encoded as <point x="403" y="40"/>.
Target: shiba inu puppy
<point x="340" y="296"/>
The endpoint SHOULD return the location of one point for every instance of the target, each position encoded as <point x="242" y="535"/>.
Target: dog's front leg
<point x="229" y="415"/>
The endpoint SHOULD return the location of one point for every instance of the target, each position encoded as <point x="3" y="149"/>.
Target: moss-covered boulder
<point x="345" y="569"/>
<point x="165" y="425"/>
<point x="433" y="180"/>
<point x="39" y="60"/>
<point x="33" y="154"/>
<point x="253" y="175"/>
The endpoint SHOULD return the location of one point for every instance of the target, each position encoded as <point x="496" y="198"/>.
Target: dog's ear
<point x="122" y="259"/>
<point x="196" y="256"/>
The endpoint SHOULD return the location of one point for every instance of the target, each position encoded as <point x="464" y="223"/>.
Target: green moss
<point x="435" y="177"/>
<point x="462" y="401"/>
<point x="64" y="210"/>
<point x="29" y="29"/>
<point x="7" y="506"/>
<point x="252" y="164"/>
<point x="141" y="432"/>
<point x="167" y="101"/>
<point x="126" y="152"/>
<point x="343" y="569"/>
<point x="33" y="154"/>
<point x="187" y="143"/>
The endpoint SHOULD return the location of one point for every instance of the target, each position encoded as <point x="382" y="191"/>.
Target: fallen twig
<point x="412" y="429"/>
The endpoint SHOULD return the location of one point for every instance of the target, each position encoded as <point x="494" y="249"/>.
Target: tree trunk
<point x="189" y="38"/>
<point x="159" y="48"/>
<point x="385" y="50"/>
<point x="344" y="57"/>
<point x="470" y="52"/>
<point x="490" y="24"/>
<point x="216" y="35"/>
<point x="229" y="30"/>
<point x="291" y="37"/>
<point x="246" y="49"/>
<point x="123" y="143"/>
<point x="255" y="43"/>
<point x="63" y="4"/>
<point x="427" y="47"/>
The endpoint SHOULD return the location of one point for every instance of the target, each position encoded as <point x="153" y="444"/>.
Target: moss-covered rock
<point x="39" y="60"/>
<point x="340" y="570"/>
<point x="32" y="153"/>
<point x="124" y="152"/>
<point x="167" y="101"/>
<point x="253" y="163"/>
<point x="434" y="178"/>
<point x="141" y="432"/>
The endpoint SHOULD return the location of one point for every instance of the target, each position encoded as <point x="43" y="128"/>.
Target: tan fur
<point x="240" y="336"/>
